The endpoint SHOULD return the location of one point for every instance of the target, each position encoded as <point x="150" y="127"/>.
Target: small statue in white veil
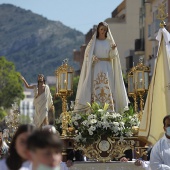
<point x="101" y="78"/>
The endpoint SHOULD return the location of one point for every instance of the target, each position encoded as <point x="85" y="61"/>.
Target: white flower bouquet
<point x="99" y="121"/>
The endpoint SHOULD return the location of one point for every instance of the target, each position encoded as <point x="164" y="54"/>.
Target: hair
<point x="99" y="25"/>
<point x="42" y="76"/>
<point x="49" y="128"/>
<point x="44" y="139"/>
<point x="166" y="117"/>
<point x="14" y="160"/>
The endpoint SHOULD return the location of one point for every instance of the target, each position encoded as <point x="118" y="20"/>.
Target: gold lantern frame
<point x="138" y="83"/>
<point x="64" y="88"/>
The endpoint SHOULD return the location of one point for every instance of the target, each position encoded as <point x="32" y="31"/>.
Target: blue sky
<point x="78" y="14"/>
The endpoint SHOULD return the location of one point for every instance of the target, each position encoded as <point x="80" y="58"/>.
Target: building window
<point x="156" y="21"/>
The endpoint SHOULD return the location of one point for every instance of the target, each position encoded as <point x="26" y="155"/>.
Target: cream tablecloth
<point x="105" y="166"/>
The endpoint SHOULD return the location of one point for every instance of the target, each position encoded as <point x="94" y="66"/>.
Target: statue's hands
<point x="113" y="46"/>
<point x="95" y="58"/>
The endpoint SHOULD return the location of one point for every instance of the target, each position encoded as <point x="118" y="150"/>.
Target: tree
<point x="75" y="84"/>
<point x="2" y="114"/>
<point x="11" y="89"/>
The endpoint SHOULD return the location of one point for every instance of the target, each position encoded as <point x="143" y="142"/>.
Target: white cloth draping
<point x="101" y="81"/>
<point x="157" y="103"/>
<point x="160" y="155"/>
<point x="42" y="104"/>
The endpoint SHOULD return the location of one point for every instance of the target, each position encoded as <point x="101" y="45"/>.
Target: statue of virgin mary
<point x="101" y="78"/>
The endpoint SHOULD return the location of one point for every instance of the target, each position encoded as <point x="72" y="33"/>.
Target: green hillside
<point x="34" y="43"/>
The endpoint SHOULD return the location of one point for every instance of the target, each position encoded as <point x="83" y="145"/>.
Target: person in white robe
<point x="101" y="77"/>
<point x="160" y="154"/>
<point x="43" y="104"/>
<point x="42" y="101"/>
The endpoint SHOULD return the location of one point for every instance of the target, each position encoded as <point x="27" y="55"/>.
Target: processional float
<point x="106" y="148"/>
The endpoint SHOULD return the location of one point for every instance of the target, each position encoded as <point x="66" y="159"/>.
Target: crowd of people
<point x="33" y="149"/>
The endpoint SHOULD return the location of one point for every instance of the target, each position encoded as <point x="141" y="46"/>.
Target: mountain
<point x="34" y="43"/>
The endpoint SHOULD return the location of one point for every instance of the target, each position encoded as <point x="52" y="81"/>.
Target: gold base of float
<point x="108" y="148"/>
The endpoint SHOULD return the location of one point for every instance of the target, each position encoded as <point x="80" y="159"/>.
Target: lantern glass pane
<point x="63" y="81"/>
<point x="69" y="85"/>
<point x="131" y="88"/>
<point x="146" y="80"/>
<point x="140" y="80"/>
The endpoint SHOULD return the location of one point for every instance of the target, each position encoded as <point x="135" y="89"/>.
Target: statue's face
<point x="102" y="30"/>
<point x="40" y="78"/>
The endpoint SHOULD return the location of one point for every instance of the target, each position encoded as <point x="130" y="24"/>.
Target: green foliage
<point x="24" y="119"/>
<point x="2" y="114"/>
<point x="130" y="117"/>
<point x="10" y="84"/>
<point x="75" y="84"/>
<point x="34" y="43"/>
<point x="57" y="102"/>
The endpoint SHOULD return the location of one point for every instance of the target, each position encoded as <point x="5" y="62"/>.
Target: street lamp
<point x="138" y="83"/>
<point x="64" y="88"/>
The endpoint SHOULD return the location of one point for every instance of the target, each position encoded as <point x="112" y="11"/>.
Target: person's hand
<point x="138" y="162"/>
<point x="95" y="59"/>
<point x="69" y="163"/>
<point x="113" y="46"/>
<point x="22" y="78"/>
<point x="124" y="159"/>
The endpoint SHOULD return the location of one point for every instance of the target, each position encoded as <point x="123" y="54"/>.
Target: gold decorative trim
<point x="116" y="149"/>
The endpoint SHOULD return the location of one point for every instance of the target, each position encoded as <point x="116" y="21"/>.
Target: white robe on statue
<point x="101" y="81"/>
<point x="160" y="155"/>
<point x="42" y="104"/>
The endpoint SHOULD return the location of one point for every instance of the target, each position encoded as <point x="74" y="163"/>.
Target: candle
<point x="140" y="80"/>
<point x="65" y="84"/>
<point x="62" y="81"/>
<point x="141" y="83"/>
